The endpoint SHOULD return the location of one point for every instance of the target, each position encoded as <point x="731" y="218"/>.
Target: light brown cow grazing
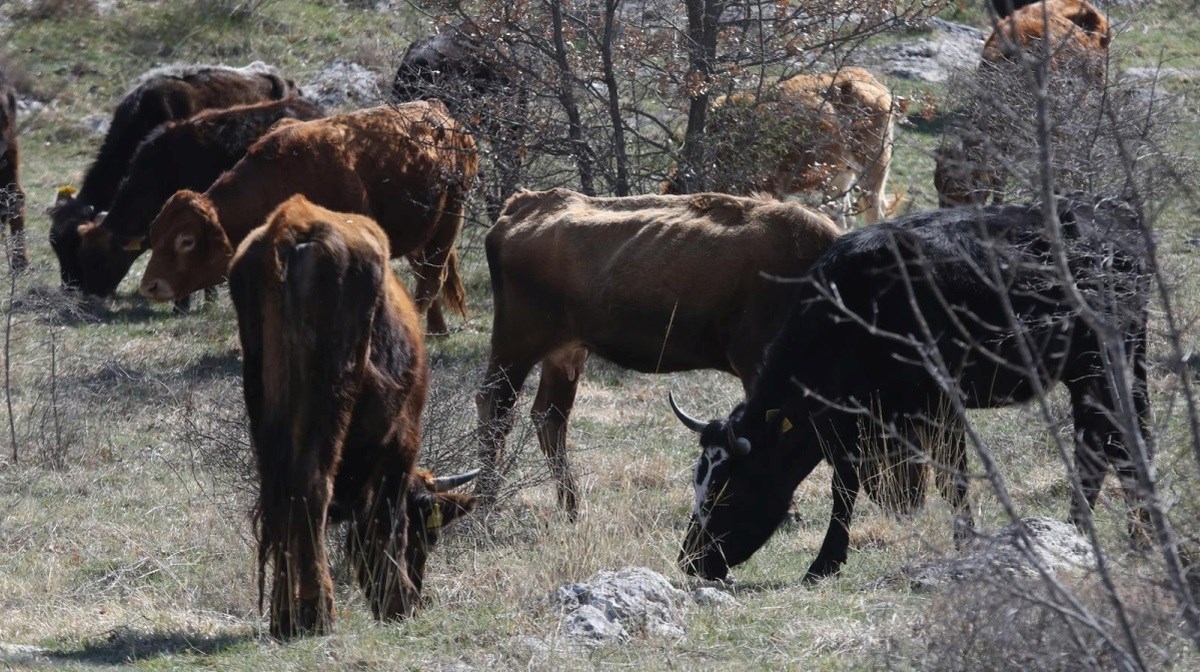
<point x="970" y="163"/>
<point x="408" y="167"/>
<point x="827" y="133"/>
<point x="335" y="377"/>
<point x="1075" y="28"/>
<point x="652" y="283"/>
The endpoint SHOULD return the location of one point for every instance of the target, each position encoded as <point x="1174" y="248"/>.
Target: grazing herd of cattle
<point x="228" y="174"/>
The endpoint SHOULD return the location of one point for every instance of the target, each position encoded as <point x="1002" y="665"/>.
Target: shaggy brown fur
<point x="184" y="154"/>
<point x="652" y="283"/>
<point x="834" y="133"/>
<point x="1075" y="27"/>
<point x="158" y="96"/>
<point x="12" y="198"/>
<point x="334" y="375"/>
<point x="408" y="167"/>
<point x="1079" y="35"/>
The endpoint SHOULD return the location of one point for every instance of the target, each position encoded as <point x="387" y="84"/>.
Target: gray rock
<point x="954" y="47"/>
<point x="615" y="605"/>
<point x="1148" y="75"/>
<point x="590" y="625"/>
<point x="344" y="84"/>
<point x="96" y="124"/>
<point x="707" y="596"/>
<point x="1057" y="545"/>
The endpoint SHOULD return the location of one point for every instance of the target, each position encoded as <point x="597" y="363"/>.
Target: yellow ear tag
<point x="435" y="518"/>
<point x="772" y="413"/>
<point x="66" y="190"/>
<point x="135" y="244"/>
<point x="786" y="425"/>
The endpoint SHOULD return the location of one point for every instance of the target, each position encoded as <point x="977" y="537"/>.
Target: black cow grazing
<point x="854" y="348"/>
<point x="158" y="96"/>
<point x="12" y="199"/>
<point x="335" y="376"/>
<point x="477" y="80"/>
<point x="183" y="154"/>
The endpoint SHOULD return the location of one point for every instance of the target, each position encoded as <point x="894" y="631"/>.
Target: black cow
<point x="12" y="199"/>
<point x="889" y="306"/>
<point x="158" y="96"/>
<point x="185" y="154"/>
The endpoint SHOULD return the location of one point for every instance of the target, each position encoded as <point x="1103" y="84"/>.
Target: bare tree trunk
<point x="703" y="16"/>
<point x="621" y="186"/>
<point x="566" y="95"/>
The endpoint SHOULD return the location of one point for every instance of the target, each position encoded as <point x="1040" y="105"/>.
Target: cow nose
<point x="155" y="289"/>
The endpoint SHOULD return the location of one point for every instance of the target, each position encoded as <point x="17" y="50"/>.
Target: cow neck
<point x="240" y="209"/>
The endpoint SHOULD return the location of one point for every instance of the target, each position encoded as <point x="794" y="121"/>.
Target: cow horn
<point x="687" y="420"/>
<point x="444" y="483"/>
<point x="739" y="445"/>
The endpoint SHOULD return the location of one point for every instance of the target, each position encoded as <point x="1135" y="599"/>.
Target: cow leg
<point x="12" y="205"/>
<point x="182" y="306"/>
<point x="436" y="268"/>
<point x="377" y="545"/>
<point x="551" y="411"/>
<point x="307" y="557"/>
<point x="951" y="477"/>
<point x="837" y="538"/>
<point x="1097" y="444"/>
<point x="494" y="403"/>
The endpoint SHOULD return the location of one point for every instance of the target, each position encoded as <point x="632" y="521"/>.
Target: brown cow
<point x="158" y="96"/>
<point x="408" y="167"/>
<point x="969" y="166"/>
<point x="827" y="132"/>
<point x="651" y="283"/>
<point x="184" y="154"/>
<point x="334" y="375"/>
<point x="1075" y="27"/>
<point x="12" y="199"/>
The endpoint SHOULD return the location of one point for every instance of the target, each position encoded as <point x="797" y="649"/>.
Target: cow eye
<point x="185" y="243"/>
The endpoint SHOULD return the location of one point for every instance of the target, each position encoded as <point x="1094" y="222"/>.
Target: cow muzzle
<point x="157" y="289"/>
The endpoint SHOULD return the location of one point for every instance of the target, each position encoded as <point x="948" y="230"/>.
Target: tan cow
<point x="970" y="163"/>
<point x="408" y="167"/>
<point x="828" y="133"/>
<point x="1075" y="28"/>
<point x="652" y="283"/>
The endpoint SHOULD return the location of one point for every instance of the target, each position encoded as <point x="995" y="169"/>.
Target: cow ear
<point x="448" y="507"/>
<point x="135" y="244"/>
<point x="64" y="195"/>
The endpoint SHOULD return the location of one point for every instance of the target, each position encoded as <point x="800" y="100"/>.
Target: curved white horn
<point x="444" y="483"/>
<point x="687" y="420"/>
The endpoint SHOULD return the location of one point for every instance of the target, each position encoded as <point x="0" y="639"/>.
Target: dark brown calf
<point x="334" y="376"/>
<point x="12" y="199"/>
<point x="408" y="167"/>
<point x="158" y="96"/>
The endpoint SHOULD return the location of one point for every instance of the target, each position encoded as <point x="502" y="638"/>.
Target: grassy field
<point x="124" y="536"/>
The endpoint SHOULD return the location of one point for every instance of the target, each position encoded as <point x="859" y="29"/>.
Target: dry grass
<point x="124" y="533"/>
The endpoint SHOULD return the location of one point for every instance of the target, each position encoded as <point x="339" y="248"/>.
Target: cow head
<point x="105" y="256"/>
<point x="188" y="249"/>
<point x="67" y="214"/>
<point x="738" y="500"/>
<point x="431" y="507"/>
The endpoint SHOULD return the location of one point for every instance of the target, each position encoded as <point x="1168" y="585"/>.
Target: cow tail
<point x="453" y="293"/>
